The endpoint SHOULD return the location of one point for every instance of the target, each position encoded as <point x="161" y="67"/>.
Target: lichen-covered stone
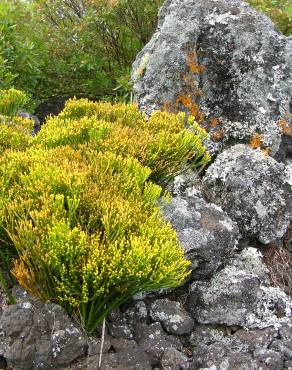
<point x="174" y="360"/>
<point x="172" y="316"/>
<point x="154" y="340"/>
<point x="121" y="329"/>
<point x="36" y="335"/>
<point x="219" y="348"/>
<point x="129" y="359"/>
<point x="206" y="233"/>
<point x="238" y="296"/>
<point x="225" y="57"/>
<point x="253" y="189"/>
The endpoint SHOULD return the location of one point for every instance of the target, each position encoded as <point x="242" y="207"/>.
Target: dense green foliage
<point x="22" y="52"/>
<point x="84" y="48"/>
<point x="79" y="205"/>
<point x="80" y="48"/>
<point x="280" y="11"/>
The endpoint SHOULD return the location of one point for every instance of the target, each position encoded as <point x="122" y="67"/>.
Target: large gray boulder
<point x="224" y="57"/>
<point x="205" y="231"/>
<point x="253" y="189"/>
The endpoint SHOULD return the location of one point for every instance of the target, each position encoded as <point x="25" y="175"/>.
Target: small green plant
<point x="11" y="101"/>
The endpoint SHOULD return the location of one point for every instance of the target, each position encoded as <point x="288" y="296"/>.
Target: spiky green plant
<point x="11" y="101"/>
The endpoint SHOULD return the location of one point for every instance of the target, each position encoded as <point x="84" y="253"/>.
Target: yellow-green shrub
<point x="79" y="207"/>
<point x="161" y="143"/>
<point x="11" y="101"/>
<point x="15" y="133"/>
<point x="87" y="228"/>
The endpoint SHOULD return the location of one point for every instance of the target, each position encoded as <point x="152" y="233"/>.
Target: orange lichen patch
<point x="217" y="135"/>
<point x="193" y="65"/>
<point x="256" y="141"/>
<point x="195" y="111"/>
<point x="184" y="99"/>
<point x="266" y="151"/>
<point x="285" y="125"/>
<point x="166" y="106"/>
<point x="199" y="93"/>
<point x="214" y="122"/>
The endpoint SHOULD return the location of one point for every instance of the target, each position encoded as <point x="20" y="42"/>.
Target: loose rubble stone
<point x="174" y="360"/>
<point x="36" y="335"/>
<point x="129" y="359"/>
<point x="94" y="345"/>
<point x="214" y="348"/>
<point x="122" y="344"/>
<point x="237" y="296"/>
<point x="154" y="340"/>
<point x="253" y="189"/>
<point x="224" y="57"/>
<point x="172" y="316"/>
<point x="206" y="233"/>
<point x="121" y="329"/>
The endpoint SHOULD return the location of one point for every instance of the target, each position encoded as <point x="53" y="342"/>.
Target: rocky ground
<point x="233" y="220"/>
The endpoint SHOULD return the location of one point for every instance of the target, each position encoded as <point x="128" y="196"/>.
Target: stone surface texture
<point x="224" y="57"/>
<point x="253" y="189"/>
<point x="206" y="233"/>
<point x="240" y="295"/>
<point x="36" y="335"/>
<point x="172" y="316"/>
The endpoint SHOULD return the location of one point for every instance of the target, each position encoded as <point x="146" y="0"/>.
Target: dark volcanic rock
<point x="225" y="57"/>
<point x="174" y="360"/>
<point x="154" y="340"/>
<point x="172" y="316"/>
<point x="36" y="335"/>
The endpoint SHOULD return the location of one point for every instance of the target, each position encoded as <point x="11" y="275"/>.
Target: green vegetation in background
<point x="280" y="11"/>
<point x="79" y="205"/>
<point x="84" y="48"/>
<point x="22" y="52"/>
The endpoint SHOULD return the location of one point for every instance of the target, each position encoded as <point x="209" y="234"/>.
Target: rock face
<point x="36" y="335"/>
<point x="253" y="189"/>
<point x="227" y="59"/>
<point x="238" y="295"/>
<point x="207" y="234"/>
<point x="164" y="332"/>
